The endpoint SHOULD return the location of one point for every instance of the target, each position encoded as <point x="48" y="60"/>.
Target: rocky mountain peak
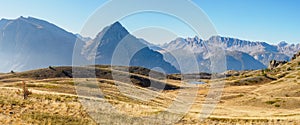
<point x="115" y="28"/>
<point x="115" y="40"/>
<point x="282" y="44"/>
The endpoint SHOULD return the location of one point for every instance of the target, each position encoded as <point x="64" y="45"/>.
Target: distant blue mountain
<point x="253" y="54"/>
<point x="30" y="43"/>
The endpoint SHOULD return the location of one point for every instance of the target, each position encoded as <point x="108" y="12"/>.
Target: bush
<point x="277" y="105"/>
<point x="267" y="70"/>
<point x="271" y="102"/>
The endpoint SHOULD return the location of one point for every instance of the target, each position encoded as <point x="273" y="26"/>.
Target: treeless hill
<point x="138" y="75"/>
<point x="249" y="97"/>
<point x="262" y="95"/>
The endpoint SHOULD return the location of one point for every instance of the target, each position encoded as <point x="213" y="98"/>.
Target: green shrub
<point x="267" y="70"/>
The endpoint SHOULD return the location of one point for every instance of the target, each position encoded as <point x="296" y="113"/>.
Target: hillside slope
<point x="256" y="97"/>
<point x="30" y="43"/>
<point x="263" y="94"/>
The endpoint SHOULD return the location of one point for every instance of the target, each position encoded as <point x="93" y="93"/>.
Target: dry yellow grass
<point x="40" y="109"/>
<point x="252" y="97"/>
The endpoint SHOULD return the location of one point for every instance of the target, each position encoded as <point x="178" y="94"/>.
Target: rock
<point x="274" y="63"/>
<point x="296" y="56"/>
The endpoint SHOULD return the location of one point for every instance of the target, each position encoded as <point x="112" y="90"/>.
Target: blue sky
<point x="258" y="20"/>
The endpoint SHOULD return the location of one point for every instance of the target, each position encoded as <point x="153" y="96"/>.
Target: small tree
<point x="25" y="92"/>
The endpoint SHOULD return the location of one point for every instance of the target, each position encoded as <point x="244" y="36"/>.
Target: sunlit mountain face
<point x="30" y="43"/>
<point x="257" y="54"/>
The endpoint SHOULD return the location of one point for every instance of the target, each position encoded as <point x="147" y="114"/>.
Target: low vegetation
<point x="249" y="97"/>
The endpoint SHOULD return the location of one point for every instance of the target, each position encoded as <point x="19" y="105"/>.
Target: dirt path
<point x="55" y="93"/>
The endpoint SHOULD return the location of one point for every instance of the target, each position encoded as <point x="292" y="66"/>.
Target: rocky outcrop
<point x="274" y="63"/>
<point x="297" y="55"/>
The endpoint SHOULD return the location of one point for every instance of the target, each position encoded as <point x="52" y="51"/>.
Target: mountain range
<point x="30" y="43"/>
<point x="240" y="54"/>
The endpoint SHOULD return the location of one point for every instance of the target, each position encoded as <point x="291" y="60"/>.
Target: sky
<point x="270" y="21"/>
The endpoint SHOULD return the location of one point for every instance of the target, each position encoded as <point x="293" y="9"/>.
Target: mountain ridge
<point x="25" y="42"/>
<point x="29" y="43"/>
<point x="114" y="45"/>
<point x="259" y="50"/>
